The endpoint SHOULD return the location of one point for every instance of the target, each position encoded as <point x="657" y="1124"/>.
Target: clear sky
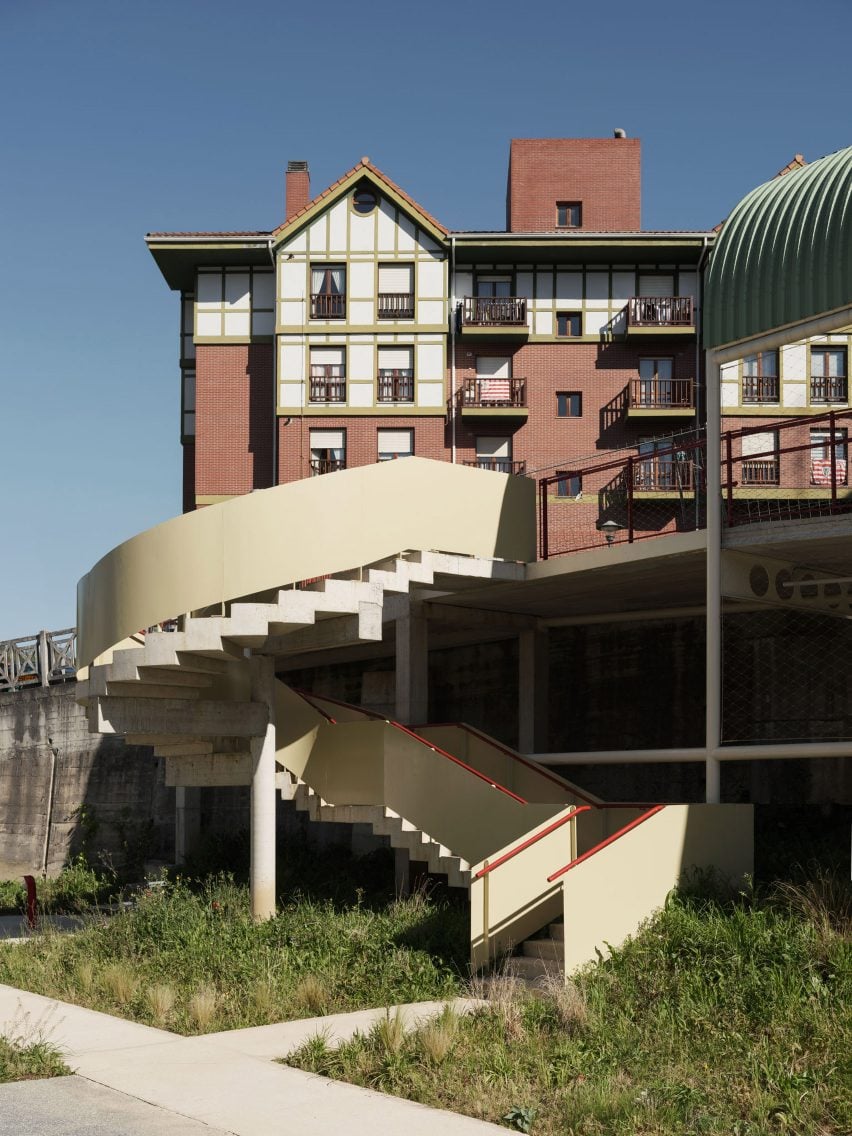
<point x="121" y="118"/>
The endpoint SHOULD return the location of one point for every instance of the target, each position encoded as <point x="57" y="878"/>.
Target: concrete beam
<point x="210" y="769"/>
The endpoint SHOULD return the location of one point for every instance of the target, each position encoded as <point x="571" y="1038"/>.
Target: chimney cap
<point x="619" y="133"/>
<point x="297" y="167"/>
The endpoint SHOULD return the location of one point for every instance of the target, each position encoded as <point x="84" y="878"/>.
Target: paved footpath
<point x="134" y="1080"/>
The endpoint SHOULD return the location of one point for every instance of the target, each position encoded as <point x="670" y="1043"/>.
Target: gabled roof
<point x="784" y="254"/>
<point x="363" y="171"/>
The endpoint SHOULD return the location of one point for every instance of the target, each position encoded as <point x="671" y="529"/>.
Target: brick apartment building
<point x="362" y="329"/>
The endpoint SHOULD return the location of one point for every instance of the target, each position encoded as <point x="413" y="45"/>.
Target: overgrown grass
<point x="25" y="1061"/>
<point x="73" y="891"/>
<point x="719" y="1017"/>
<point x="190" y="959"/>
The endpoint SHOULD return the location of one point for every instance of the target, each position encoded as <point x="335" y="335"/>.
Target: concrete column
<point x="713" y="657"/>
<point x="187" y="820"/>
<point x="401" y="871"/>
<point x="533" y="668"/>
<point x="412" y="667"/>
<point x="263" y="795"/>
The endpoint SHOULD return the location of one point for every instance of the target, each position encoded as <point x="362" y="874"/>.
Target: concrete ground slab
<point x="73" y="1106"/>
<point x="207" y="1080"/>
<point x="282" y="1038"/>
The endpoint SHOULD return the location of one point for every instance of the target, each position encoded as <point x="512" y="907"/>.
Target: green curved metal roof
<point x="784" y="254"/>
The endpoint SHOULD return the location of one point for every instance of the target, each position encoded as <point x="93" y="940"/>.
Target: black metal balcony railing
<point x="395" y="305"/>
<point x="661" y="394"/>
<point x="493" y="311"/>
<point x="492" y="392"/>
<point x="760" y="388"/>
<point x="499" y="465"/>
<point x="326" y="465"/>
<point x="760" y="471"/>
<point x="328" y="305"/>
<point x="659" y="311"/>
<point x="396" y="385"/>
<point x="828" y="388"/>
<point x="327" y="383"/>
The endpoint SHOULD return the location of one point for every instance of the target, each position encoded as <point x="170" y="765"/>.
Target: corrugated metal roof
<point x="784" y="253"/>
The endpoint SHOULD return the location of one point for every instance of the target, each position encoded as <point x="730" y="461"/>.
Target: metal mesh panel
<point x="786" y="676"/>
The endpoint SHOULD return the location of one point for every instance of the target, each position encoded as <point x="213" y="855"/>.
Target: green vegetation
<point x="188" y="957"/>
<point x="73" y="891"/>
<point x="25" y="1061"/>
<point x="721" y="1016"/>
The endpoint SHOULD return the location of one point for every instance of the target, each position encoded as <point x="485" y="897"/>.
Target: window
<point x="396" y="291"/>
<point x="569" y="214"/>
<point x="828" y="374"/>
<point x="395" y="444"/>
<point x="396" y="374"/>
<point x="328" y="291"/>
<point x="569" y="404"/>
<point x="760" y="458"/>
<point x="571" y="485"/>
<point x="328" y="451"/>
<point x="569" y="324"/>
<point x="655" y="386"/>
<point x="494" y="286"/>
<point x="328" y="375"/>
<point x="496" y="454"/>
<point x="760" y="377"/>
<point x="188" y="404"/>
<point x="821" y="457"/>
<point x="364" y="199"/>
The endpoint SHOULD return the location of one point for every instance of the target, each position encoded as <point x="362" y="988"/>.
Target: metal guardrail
<point x="38" y="660"/>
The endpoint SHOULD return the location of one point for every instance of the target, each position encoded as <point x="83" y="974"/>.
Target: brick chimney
<point x="297" y="188"/>
<point x="573" y="183"/>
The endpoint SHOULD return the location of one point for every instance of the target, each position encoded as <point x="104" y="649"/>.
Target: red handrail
<point x="509" y="753"/>
<point x="423" y="741"/>
<point x="510" y="855"/>
<point x="304" y="696"/>
<point x="603" y="844"/>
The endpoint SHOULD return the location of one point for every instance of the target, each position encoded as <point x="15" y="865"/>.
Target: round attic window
<point x="364" y="199"/>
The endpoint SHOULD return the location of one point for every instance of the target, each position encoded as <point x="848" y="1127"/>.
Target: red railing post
<point x="31" y="902"/>
<point x="832" y="454"/>
<point x="729" y="479"/>
<point x="630" y="500"/>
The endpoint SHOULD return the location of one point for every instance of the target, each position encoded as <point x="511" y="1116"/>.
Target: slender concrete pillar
<point x="401" y="871"/>
<point x="533" y="667"/>
<point x="412" y="667"/>
<point x="713" y="656"/>
<point x="263" y="795"/>
<point x="187" y="820"/>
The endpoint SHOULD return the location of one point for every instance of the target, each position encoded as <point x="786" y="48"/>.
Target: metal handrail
<point x="604" y="843"/>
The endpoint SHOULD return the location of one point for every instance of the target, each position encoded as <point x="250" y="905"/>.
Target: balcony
<point x="396" y="386"/>
<point x="328" y="306"/>
<point x="652" y="398"/>
<point x="828" y="388"/>
<point x="660" y="315"/>
<point x="760" y="388"/>
<point x="326" y="465"/>
<point x="760" y="471"/>
<point x="662" y="475"/>
<point x="395" y="306"/>
<point x="499" y="465"/>
<point x="327" y="383"/>
<point x="505" y="316"/>
<point x="492" y="398"/>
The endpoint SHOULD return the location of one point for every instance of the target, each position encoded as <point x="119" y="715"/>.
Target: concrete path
<point x="13" y="928"/>
<point x="225" y="1081"/>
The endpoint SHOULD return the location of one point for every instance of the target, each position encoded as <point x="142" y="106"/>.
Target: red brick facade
<point x="234" y="420"/>
<point x="602" y="174"/>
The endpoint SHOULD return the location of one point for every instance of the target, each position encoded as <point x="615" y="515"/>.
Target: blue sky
<point x="123" y="118"/>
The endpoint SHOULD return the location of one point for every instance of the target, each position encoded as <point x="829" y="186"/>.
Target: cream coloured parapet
<point x="275" y="537"/>
<point x="607" y="896"/>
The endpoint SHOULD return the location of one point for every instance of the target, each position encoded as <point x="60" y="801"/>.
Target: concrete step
<point x="533" y="969"/>
<point x="557" y="931"/>
<point x="546" y="949"/>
